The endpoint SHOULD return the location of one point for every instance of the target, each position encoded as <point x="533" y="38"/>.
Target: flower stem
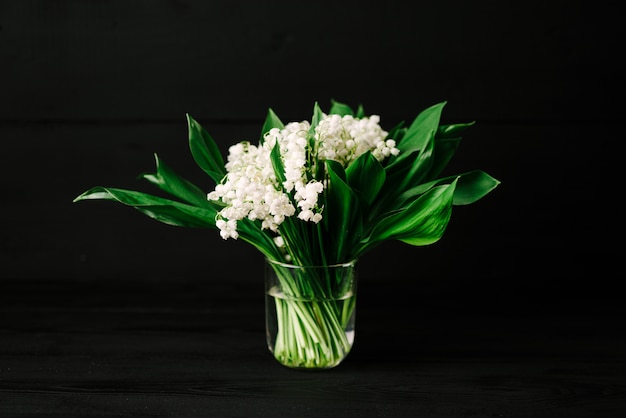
<point x="313" y="328"/>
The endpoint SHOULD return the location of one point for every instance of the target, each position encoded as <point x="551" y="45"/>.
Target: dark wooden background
<point x="89" y="90"/>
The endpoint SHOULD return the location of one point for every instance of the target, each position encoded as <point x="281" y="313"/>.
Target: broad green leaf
<point x="205" y="151"/>
<point x="318" y="114"/>
<point x="180" y="214"/>
<point x="163" y="210"/>
<point x="271" y="121"/>
<point x="421" y="223"/>
<point x="421" y="131"/>
<point x="251" y="232"/>
<point x="420" y="166"/>
<point x="277" y="163"/>
<point x="366" y="175"/>
<point x="340" y="109"/>
<point x="442" y="154"/>
<point x="394" y="176"/>
<point x="360" y="112"/>
<point x="473" y="186"/>
<point x="452" y="131"/>
<point x="410" y="195"/>
<point x="403" y="175"/>
<point x="170" y="182"/>
<point x="341" y="211"/>
<point x="447" y="141"/>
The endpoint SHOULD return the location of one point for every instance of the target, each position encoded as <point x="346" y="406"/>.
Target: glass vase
<point x="310" y="313"/>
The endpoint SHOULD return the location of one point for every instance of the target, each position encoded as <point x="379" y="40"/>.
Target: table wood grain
<point x="190" y="348"/>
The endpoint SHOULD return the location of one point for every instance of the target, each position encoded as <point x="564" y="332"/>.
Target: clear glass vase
<point x="310" y="313"/>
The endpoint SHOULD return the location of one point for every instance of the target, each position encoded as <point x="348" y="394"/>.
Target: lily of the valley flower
<point x="251" y="189"/>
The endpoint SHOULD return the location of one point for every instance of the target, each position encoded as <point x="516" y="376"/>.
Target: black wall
<point x="90" y="90"/>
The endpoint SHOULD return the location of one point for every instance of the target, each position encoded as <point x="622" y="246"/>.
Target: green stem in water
<point x="309" y="334"/>
<point x="311" y="324"/>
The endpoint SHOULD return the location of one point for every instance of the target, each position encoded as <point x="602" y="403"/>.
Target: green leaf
<point x="473" y="186"/>
<point x="404" y="175"/>
<point x="180" y="214"/>
<point x="423" y="222"/>
<point x="271" y="121"/>
<point x="251" y="232"/>
<point x="410" y="195"/>
<point x="452" y="131"/>
<point x="163" y="210"/>
<point x="277" y="163"/>
<point x="447" y="141"/>
<point x="315" y="120"/>
<point x="420" y="166"/>
<point x="342" y="212"/>
<point x="442" y="154"/>
<point x="366" y="176"/>
<point x="318" y="115"/>
<point x="167" y="180"/>
<point x="340" y="109"/>
<point x="360" y="112"/>
<point x="205" y="151"/>
<point x="421" y="131"/>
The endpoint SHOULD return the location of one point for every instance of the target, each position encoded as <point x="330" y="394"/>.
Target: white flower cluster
<point x="251" y="189"/>
<point x="345" y="138"/>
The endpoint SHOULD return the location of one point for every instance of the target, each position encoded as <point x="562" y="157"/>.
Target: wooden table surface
<point x="185" y="348"/>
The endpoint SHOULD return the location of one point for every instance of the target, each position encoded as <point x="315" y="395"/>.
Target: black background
<point x="90" y="90"/>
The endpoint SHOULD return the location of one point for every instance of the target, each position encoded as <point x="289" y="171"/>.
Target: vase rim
<point x="351" y="263"/>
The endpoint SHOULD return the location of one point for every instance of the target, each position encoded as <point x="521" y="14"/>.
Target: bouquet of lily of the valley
<point x="320" y="192"/>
